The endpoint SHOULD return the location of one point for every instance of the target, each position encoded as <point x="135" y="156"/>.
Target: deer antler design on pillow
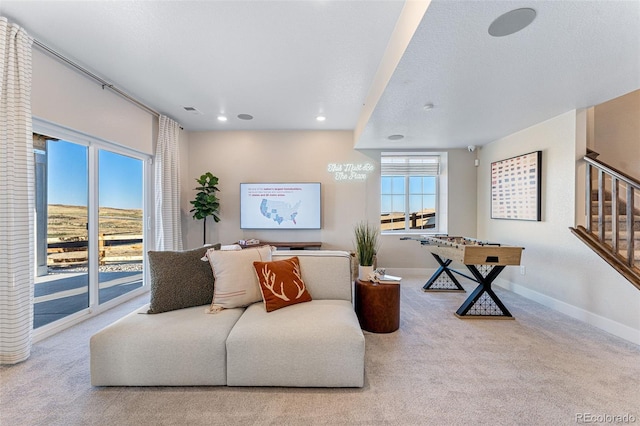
<point x="300" y="285"/>
<point x="281" y="283"/>
<point x="270" y="283"/>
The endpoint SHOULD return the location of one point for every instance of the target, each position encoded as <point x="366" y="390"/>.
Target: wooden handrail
<point x="618" y="174"/>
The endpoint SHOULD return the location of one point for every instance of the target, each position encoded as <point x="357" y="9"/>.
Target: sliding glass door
<point x="89" y="225"/>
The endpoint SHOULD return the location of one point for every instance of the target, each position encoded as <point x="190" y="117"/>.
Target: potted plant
<point x="206" y="203"/>
<point x="366" y="241"/>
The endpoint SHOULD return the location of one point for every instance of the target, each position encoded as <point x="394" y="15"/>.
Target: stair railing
<point x="604" y="174"/>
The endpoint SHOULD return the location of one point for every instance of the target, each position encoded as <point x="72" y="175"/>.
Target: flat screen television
<point x="292" y="205"/>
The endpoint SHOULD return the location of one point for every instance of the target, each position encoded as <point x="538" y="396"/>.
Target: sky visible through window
<point x="120" y="183"/>
<point x="422" y="191"/>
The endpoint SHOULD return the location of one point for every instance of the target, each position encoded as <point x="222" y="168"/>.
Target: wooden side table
<point x="377" y="306"/>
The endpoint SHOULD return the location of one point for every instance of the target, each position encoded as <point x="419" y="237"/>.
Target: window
<point x="413" y="192"/>
<point x="89" y="225"/>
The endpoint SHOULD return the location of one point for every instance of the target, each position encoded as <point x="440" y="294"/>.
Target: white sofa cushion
<point x="185" y="347"/>
<point x="313" y="344"/>
<point x="326" y="273"/>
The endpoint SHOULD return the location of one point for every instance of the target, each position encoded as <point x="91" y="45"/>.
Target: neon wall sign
<point x="350" y="171"/>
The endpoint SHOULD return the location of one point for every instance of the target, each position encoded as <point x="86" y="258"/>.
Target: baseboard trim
<point x="613" y="327"/>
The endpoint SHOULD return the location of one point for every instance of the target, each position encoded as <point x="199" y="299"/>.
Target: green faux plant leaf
<point x="206" y="203"/>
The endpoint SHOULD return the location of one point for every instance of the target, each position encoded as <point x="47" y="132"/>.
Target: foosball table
<point x="485" y="261"/>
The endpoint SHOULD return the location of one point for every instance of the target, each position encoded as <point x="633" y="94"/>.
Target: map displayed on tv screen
<point x="280" y="206"/>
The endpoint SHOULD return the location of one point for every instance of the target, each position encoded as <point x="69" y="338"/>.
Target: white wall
<point x="65" y="97"/>
<point x="561" y="272"/>
<point x="617" y="133"/>
<point x="304" y="156"/>
<point x="274" y="156"/>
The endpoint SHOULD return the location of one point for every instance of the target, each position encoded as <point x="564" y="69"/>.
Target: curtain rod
<point x="102" y="82"/>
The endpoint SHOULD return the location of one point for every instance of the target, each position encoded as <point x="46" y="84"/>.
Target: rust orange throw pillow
<point x="281" y="283"/>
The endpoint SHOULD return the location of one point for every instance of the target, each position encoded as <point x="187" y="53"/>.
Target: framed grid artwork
<point x="516" y="189"/>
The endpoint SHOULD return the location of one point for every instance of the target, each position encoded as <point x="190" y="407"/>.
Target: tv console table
<point x="291" y="245"/>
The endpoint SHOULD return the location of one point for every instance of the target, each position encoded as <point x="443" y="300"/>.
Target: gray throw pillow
<point x="180" y="279"/>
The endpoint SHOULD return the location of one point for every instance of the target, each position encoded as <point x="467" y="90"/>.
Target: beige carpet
<point x="541" y="369"/>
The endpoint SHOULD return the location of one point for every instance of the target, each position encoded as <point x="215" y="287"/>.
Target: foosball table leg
<point x="440" y="282"/>
<point x="483" y="302"/>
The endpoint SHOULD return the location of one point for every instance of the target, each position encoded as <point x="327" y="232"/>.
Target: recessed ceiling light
<point x="512" y="22"/>
<point x="222" y="118"/>
<point x="321" y="118"/>
<point x="395" y="137"/>
<point x="428" y="107"/>
<point x="245" y="116"/>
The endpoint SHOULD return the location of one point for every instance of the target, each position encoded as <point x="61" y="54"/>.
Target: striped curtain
<point x="17" y="195"/>
<point x="167" y="187"/>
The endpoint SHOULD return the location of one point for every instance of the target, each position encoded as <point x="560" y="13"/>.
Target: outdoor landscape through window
<point x="63" y="283"/>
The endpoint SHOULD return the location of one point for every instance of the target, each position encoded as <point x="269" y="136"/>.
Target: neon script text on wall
<point x="350" y="171"/>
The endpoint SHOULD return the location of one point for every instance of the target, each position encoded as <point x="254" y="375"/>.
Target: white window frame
<point x="441" y="199"/>
<point x="94" y="144"/>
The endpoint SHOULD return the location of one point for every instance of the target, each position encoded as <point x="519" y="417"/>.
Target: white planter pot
<point x="364" y="272"/>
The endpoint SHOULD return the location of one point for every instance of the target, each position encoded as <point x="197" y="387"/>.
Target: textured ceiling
<point x="575" y="54"/>
<point x="285" y="62"/>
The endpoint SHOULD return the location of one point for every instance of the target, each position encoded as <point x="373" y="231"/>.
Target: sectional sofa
<point x="317" y="343"/>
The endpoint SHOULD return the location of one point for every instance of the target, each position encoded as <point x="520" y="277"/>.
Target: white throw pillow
<point x="236" y="284"/>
